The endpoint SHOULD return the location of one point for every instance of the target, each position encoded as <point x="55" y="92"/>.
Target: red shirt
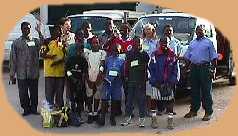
<point x="125" y="45"/>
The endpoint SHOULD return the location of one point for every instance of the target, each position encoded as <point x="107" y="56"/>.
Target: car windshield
<point x="98" y="23"/>
<point x="183" y="26"/>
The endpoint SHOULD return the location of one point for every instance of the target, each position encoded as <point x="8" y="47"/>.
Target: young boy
<point x="136" y="76"/>
<point x="77" y="69"/>
<point x="163" y="69"/>
<point x="112" y="86"/>
<point x="96" y="59"/>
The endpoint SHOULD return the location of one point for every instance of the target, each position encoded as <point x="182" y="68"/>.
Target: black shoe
<point x="101" y="120"/>
<point x="113" y="121"/>
<point x="90" y="119"/>
<point x="190" y="114"/>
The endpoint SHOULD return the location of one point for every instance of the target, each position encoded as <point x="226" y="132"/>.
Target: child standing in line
<point x="112" y="86"/>
<point x="96" y="60"/>
<point x="163" y="69"/>
<point x="76" y="71"/>
<point x="136" y="75"/>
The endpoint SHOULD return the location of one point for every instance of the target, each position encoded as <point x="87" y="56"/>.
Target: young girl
<point x="163" y="69"/>
<point x="96" y="59"/>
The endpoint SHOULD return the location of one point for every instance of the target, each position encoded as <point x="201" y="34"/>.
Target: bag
<point x="74" y="119"/>
<point x="61" y="118"/>
<point x="47" y="118"/>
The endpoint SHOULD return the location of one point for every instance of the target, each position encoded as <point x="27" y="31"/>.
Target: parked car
<point x="184" y="30"/>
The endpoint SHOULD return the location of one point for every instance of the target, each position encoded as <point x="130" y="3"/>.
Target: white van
<point x="98" y="19"/>
<point x="184" y="26"/>
<point x="16" y="33"/>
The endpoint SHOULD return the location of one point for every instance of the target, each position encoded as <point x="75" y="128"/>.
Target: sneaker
<point x="190" y="114"/>
<point x="207" y="117"/>
<point x="127" y="121"/>
<point x="170" y="122"/>
<point x="141" y="122"/>
<point x="154" y="122"/>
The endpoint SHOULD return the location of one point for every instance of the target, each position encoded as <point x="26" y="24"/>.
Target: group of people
<point x="95" y="71"/>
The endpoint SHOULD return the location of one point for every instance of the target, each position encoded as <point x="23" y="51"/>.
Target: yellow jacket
<point x="58" y="70"/>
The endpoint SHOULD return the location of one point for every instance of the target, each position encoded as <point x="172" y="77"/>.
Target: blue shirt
<point x="114" y="66"/>
<point x="149" y="46"/>
<point x="201" y="51"/>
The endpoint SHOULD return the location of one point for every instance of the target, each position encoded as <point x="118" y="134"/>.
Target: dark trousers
<point x="138" y="92"/>
<point x="201" y="88"/>
<point x="77" y="95"/>
<point x="54" y="90"/>
<point x="28" y="103"/>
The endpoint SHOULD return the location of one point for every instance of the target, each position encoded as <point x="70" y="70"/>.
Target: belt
<point x="201" y="64"/>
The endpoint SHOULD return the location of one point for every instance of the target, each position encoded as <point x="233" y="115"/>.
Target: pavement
<point x="221" y="96"/>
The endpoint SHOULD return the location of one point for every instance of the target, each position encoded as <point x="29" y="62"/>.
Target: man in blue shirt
<point x="202" y="57"/>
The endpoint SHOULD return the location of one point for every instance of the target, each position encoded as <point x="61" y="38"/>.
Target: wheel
<point x="232" y="80"/>
<point x="231" y="73"/>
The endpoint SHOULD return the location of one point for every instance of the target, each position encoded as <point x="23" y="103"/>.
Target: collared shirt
<point x="24" y="58"/>
<point x="201" y="51"/>
<point x="55" y="48"/>
<point x="149" y="46"/>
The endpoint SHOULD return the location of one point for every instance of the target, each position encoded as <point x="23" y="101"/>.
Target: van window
<point x="98" y="23"/>
<point x="183" y="26"/>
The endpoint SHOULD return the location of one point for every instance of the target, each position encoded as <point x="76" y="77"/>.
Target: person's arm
<point x="41" y="37"/>
<point x="12" y="61"/>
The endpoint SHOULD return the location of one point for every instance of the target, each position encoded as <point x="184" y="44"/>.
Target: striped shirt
<point x="24" y="58"/>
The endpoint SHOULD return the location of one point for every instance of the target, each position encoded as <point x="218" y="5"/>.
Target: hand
<point x="90" y="84"/>
<point x="13" y="79"/>
<point x="37" y="28"/>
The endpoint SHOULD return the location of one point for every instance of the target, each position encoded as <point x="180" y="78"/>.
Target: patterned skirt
<point x="165" y="92"/>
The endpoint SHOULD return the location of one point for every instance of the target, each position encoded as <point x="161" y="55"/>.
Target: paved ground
<point x="221" y="95"/>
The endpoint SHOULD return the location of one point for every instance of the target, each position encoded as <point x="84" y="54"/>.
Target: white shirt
<point x="94" y="60"/>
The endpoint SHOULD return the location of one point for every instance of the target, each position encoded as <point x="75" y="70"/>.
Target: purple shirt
<point x="201" y="51"/>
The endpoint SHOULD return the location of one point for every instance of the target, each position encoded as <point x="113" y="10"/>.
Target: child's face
<point x="164" y="46"/>
<point x="95" y="43"/>
<point x="138" y="44"/>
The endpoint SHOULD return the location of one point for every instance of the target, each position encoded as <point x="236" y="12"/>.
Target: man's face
<point x="110" y="25"/>
<point x="200" y="31"/>
<point x="67" y="26"/>
<point x="168" y="31"/>
<point x="26" y="30"/>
